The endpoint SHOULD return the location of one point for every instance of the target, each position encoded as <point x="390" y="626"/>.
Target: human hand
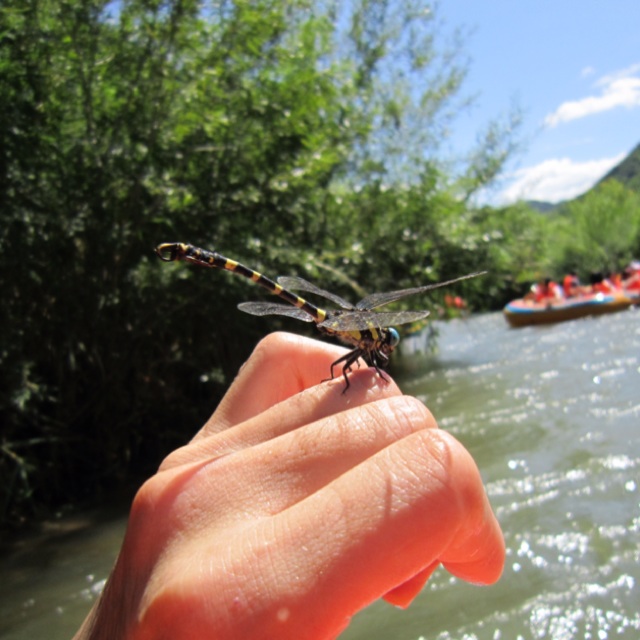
<point x="296" y="506"/>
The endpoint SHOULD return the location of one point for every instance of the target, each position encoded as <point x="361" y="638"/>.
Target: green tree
<point x="599" y="232"/>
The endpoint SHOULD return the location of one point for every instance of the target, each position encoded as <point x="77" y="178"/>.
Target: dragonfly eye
<point x="394" y="338"/>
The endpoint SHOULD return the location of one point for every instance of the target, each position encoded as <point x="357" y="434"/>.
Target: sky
<point x="573" y="68"/>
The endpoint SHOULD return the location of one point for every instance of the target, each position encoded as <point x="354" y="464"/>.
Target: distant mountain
<point x="542" y="207"/>
<point x="627" y="172"/>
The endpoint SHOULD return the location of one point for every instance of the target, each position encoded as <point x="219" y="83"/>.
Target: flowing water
<point x="552" y="418"/>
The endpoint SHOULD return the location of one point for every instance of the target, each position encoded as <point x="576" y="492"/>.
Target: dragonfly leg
<point x="380" y="372"/>
<point x="379" y="361"/>
<point x="348" y="359"/>
<point x="344" y="358"/>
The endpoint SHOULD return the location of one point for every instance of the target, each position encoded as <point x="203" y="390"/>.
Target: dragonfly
<point x="371" y="334"/>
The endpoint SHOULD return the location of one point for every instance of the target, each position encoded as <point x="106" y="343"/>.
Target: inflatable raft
<point x="522" y="313"/>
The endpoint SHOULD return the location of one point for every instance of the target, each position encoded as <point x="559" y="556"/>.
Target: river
<point x="552" y="417"/>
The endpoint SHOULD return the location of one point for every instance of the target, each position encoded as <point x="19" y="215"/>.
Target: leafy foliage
<point x="599" y="232"/>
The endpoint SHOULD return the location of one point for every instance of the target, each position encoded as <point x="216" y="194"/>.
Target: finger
<point x="385" y="521"/>
<point x="281" y="365"/>
<point x="267" y="479"/>
<point x="304" y="408"/>
<point x="403" y="595"/>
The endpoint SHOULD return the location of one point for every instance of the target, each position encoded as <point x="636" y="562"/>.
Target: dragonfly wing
<point x="379" y="299"/>
<point x="300" y="284"/>
<point x="362" y="320"/>
<point x="274" y="309"/>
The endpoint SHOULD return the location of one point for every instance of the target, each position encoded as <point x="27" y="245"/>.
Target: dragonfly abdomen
<point x="215" y="260"/>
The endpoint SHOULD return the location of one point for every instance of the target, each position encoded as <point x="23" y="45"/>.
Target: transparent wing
<point x="274" y="309"/>
<point x="361" y="320"/>
<point x="300" y="284"/>
<point x="379" y="299"/>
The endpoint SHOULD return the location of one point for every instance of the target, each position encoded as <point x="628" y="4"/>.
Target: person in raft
<point x="571" y="286"/>
<point x="545" y="290"/>
<point x="631" y="277"/>
<point x="294" y="507"/>
<point x="601" y="284"/>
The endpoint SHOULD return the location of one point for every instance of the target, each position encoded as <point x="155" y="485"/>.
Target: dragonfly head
<point x="392" y="340"/>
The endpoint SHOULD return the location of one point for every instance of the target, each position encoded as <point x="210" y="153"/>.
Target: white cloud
<point x="632" y="70"/>
<point x="556" y="179"/>
<point x="621" y="89"/>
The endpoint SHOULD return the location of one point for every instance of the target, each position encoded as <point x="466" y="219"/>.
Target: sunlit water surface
<point x="552" y="417"/>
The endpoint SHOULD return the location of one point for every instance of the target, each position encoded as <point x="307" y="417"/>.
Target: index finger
<point x="281" y="365"/>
